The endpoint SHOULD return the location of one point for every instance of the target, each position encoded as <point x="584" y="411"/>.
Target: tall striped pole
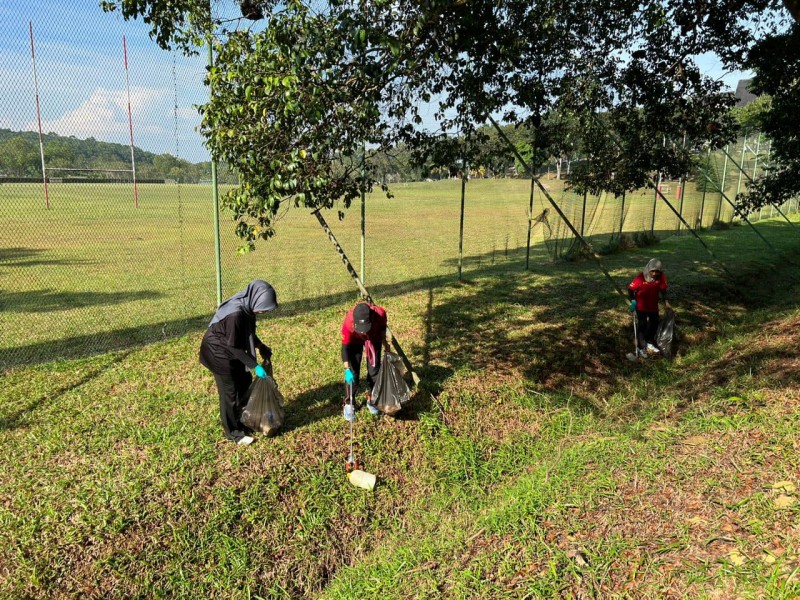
<point x="39" y="119"/>
<point x="130" y="122"/>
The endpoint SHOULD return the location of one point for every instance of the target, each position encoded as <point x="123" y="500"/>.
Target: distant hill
<point x="19" y="157"/>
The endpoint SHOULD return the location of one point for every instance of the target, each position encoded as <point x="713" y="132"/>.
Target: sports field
<point x="93" y="272"/>
<point x="533" y="461"/>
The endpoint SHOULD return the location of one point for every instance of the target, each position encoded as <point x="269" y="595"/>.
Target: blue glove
<point x="349" y="377"/>
<point x="632" y="307"/>
<point x="260" y="372"/>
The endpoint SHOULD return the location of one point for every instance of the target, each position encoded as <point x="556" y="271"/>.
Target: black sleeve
<point x="631" y="294"/>
<point x="238" y="338"/>
<point x="344" y="353"/>
<point x="244" y="357"/>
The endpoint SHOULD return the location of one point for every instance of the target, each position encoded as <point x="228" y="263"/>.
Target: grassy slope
<point x="536" y="461"/>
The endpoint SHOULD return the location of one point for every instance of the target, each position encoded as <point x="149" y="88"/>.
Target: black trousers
<point x="646" y="328"/>
<point x="355" y="353"/>
<point x="232" y="400"/>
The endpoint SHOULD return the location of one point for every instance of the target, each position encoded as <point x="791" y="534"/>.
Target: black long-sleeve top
<point x="226" y="344"/>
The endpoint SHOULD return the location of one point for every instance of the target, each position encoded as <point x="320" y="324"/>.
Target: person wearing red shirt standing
<point x="644" y="291"/>
<point x="363" y="332"/>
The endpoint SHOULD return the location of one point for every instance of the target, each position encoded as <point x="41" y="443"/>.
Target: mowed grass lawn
<point x="93" y="273"/>
<point x="533" y="461"/>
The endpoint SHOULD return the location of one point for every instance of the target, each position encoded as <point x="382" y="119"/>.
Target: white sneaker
<point x="246" y="441"/>
<point x="653" y="349"/>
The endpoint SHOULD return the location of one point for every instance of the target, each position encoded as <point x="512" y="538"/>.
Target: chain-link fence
<point x="108" y="236"/>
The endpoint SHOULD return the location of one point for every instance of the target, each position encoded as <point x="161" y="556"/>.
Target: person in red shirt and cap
<point x="363" y="332"/>
<point x="644" y="291"/>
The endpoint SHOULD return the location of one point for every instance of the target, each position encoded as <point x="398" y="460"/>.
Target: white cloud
<point x="104" y="115"/>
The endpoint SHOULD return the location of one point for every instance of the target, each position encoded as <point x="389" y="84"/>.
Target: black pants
<point x="355" y="352"/>
<point x="232" y="400"/>
<point x="646" y="328"/>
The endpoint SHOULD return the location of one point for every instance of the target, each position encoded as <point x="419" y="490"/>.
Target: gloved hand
<point x="349" y="377"/>
<point x="266" y="352"/>
<point x="632" y="307"/>
<point x="260" y="372"/>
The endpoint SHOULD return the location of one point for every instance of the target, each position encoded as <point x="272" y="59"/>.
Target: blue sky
<point x="82" y="89"/>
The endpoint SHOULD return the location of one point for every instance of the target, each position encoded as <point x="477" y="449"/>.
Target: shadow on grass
<point x="699" y="283"/>
<point x="17" y="418"/>
<point x="27" y="257"/>
<point x="37" y="301"/>
<point x="93" y="344"/>
<point x="569" y="337"/>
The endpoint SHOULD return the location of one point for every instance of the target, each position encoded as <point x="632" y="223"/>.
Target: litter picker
<point x="352" y="467"/>
<point x="352" y="464"/>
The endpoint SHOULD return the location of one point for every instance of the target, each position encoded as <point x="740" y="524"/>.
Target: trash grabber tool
<point x="351" y="464"/>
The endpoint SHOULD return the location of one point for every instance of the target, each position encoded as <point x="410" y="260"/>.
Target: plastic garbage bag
<point x="665" y="336"/>
<point x="264" y="411"/>
<point x="390" y="391"/>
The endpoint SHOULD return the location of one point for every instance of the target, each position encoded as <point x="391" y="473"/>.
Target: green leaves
<point x="334" y="80"/>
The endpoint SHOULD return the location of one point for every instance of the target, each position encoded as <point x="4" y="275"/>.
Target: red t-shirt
<point x="376" y="330"/>
<point x="646" y="292"/>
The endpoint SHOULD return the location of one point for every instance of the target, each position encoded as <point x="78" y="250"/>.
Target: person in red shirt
<point x="363" y="332"/>
<point x="644" y="291"/>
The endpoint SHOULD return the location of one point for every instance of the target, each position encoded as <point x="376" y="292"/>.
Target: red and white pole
<point x="130" y="122"/>
<point x="39" y="118"/>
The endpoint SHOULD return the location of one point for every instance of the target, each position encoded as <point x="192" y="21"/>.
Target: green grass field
<point x="534" y="461"/>
<point x="93" y="273"/>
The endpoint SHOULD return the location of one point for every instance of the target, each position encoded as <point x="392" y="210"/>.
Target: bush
<point x="643" y="239"/>
<point x="616" y="244"/>
<point x="720" y="225"/>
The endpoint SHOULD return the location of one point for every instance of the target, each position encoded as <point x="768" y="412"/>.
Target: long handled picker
<point x="352" y="464"/>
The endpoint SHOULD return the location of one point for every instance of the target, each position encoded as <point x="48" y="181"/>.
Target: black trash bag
<point x="264" y="411"/>
<point x="665" y="336"/>
<point x="390" y="391"/>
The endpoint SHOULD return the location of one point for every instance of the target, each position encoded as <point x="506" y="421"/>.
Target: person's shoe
<point x="653" y="349"/>
<point x="245" y="441"/>
<point x="373" y="410"/>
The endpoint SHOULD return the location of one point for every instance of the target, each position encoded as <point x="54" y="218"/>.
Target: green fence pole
<point x="722" y="183"/>
<point x="363" y="215"/>
<point x="530" y="225"/>
<point x="705" y="187"/>
<point x="583" y="212"/>
<point x="215" y="195"/>
<point x="461" y="221"/>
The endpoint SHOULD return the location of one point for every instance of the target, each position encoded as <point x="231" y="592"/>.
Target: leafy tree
<point x="19" y="157"/>
<point x="59" y="153"/>
<point x="776" y="63"/>
<point x="292" y="104"/>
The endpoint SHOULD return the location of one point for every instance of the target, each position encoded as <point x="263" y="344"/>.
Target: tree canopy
<point x="295" y="101"/>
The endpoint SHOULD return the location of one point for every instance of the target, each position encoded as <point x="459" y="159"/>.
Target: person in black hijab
<point x="228" y="350"/>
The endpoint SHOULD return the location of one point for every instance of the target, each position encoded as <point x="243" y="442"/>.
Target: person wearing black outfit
<point x="228" y="350"/>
